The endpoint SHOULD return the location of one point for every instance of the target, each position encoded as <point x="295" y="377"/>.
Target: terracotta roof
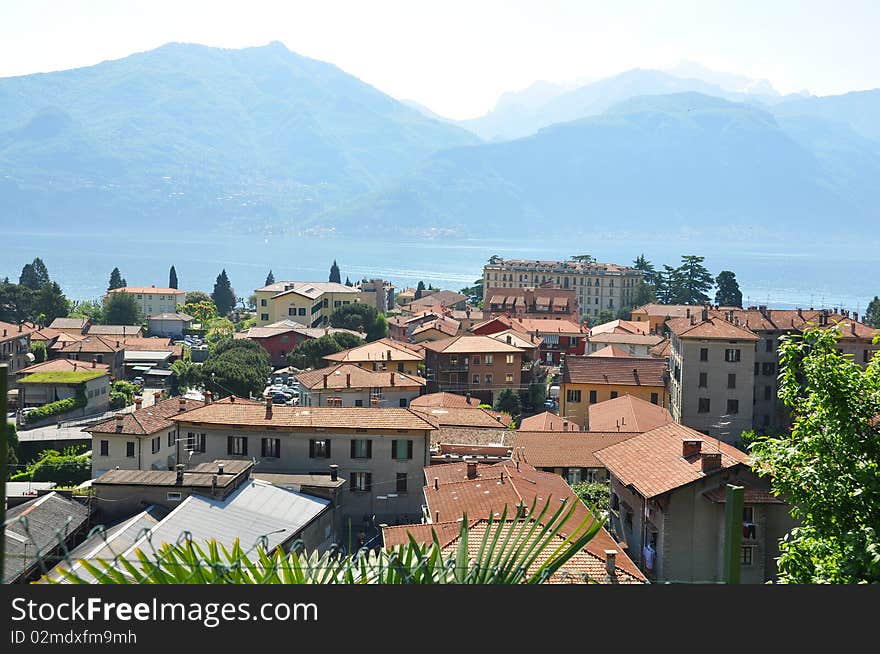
<point x="348" y="375"/>
<point x="620" y="327"/>
<point x="713" y="327"/>
<point x="652" y="462"/>
<point x="254" y="415"/>
<point x="88" y="343"/>
<point x="464" y="416"/>
<point x="629" y="412"/>
<point x="307" y="289"/>
<point x="547" y="422"/>
<point x="471" y="345"/>
<point x="464" y="314"/>
<point x="446" y="326"/>
<point x="662" y="349"/>
<point x="488" y="495"/>
<point x="499" y="324"/>
<point x="423" y="534"/>
<point x="447" y="435"/>
<point x="440" y="299"/>
<point x="663" y="310"/>
<point x="550" y="326"/>
<point x="648" y="340"/>
<point x="637" y="371"/>
<point x="44" y="334"/>
<point x="148" y="289"/>
<point x="11" y="330"/>
<point x="115" y="330"/>
<point x="558" y="449"/>
<point x="147" y="420"/>
<point x="751" y="495"/>
<point x="376" y="351"/>
<point x="522" y="340"/>
<point x="611" y="351"/>
<point x="64" y="365"/>
<point x="153" y="344"/>
<point x="444" y="399"/>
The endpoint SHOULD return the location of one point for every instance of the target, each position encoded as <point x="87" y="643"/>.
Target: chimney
<point x="117" y="344"/>
<point x="138" y="402"/>
<point x="852" y="328"/>
<point x="565" y="425"/>
<point x="19" y="327"/>
<point x="436" y="483"/>
<point x="213" y="483"/>
<point x="157" y="395"/>
<point x="325" y="381"/>
<point x="4" y="332"/>
<point x="74" y="365"/>
<point x="219" y="468"/>
<point x="268" y="407"/>
<point x="520" y="510"/>
<point x="800" y="313"/>
<point x="348" y="380"/>
<point x="710" y="461"/>
<point x="181" y="406"/>
<point x="693" y="320"/>
<point x="209" y="397"/>
<point x="232" y="399"/>
<point x="392" y="379"/>
<point x="509" y="339"/>
<point x="502" y="476"/>
<point x="119" y="419"/>
<point x="179" y="469"/>
<point x="334" y="472"/>
<point x="856" y="316"/>
<point x="93" y="363"/>
<point x="389" y="355"/>
<point x="471" y="469"/>
<point x="436" y="516"/>
<point x="690" y="446"/>
<point x="687" y="312"/>
<point x="610" y="556"/>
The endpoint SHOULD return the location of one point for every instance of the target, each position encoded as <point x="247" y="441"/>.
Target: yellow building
<point x="590" y="380"/>
<point x="384" y="354"/>
<point x="308" y="303"/>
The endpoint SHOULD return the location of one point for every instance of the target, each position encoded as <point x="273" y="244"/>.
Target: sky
<point x="457" y="57"/>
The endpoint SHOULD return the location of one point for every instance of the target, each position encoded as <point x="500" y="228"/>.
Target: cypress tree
<point x="172" y="278"/>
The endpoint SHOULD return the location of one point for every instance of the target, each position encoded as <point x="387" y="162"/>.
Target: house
<point x="400" y="327"/>
<point x="404" y="297"/>
<point x="117" y="331"/>
<point x="589" y="380"/>
<point x="445" y="400"/>
<point x="466" y="317"/>
<point x="310" y="303"/>
<point x="100" y="349"/>
<point x="656" y="315"/>
<point x="15" y="347"/>
<point x="712" y="375"/>
<point x="346" y="384"/>
<point x="668" y="490"/>
<point x="478" y="365"/>
<point x="384" y="354"/>
<point x="558" y="337"/>
<point x="570" y="455"/>
<point x="380" y="452"/>
<point x="631" y="337"/>
<point x="435" y="330"/>
<point x="150" y="358"/>
<point x="169" y="324"/>
<point x="481" y="491"/>
<point x="438" y="299"/>
<point x="60" y="379"/>
<point x="626" y="413"/>
<point x="532" y="302"/>
<point x="72" y="326"/>
<point x="281" y="337"/>
<point x="145" y="439"/>
<point x="151" y="299"/>
<point x="547" y="421"/>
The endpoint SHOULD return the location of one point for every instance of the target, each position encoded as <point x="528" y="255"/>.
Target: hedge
<point x="55" y="408"/>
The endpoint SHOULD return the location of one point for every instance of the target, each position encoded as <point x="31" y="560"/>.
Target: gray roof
<point x="115" y="330"/>
<point x="183" y="317"/>
<point x="146" y="355"/>
<point x="200" y="476"/>
<point x="35" y="529"/>
<point x="24" y="488"/>
<point x="68" y="323"/>
<point x="285" y="480"/>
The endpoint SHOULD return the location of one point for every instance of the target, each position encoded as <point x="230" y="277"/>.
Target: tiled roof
<point x="713" y="327"/>
<point x="254" y="415"/>
<point x="440" y="299"/>
<point x="11" y="330"/>
<point x="663" y="310"/>
<point x="148" y="289"/>
<point x="550" y="326"/>
<point x="171" y="316"/>
<point x="472" y="436"/>
<point x="522" y="340"/>
<point x="626" y="413"/>
<point x="384" y="349"/>
<point x="446" y="326"/>
<point x="100" y="344"/>
<point x="652" y="462"/>
<point x="64" y="365"/>
<point x="637" y="371"/>
<point x="444" y="399"/>
<point x="547" y="421"/>
<point x="471" y="345"/>
<point x="558" y="449"/>
<point x="463" y="416"/>
<point x="307" y="289"/>
<point x="423" y="534"/>
<point x="611" y="351"/>
<point x="348" y="375"/>
<point x="115" y="330"/>
<point x="751" y="495"/>
<point x="648" y="340"/>
<point x="147" y="420"/>
<point x="662" y="350"/>
<point x="620" y="327"/>
<point x="69" y="323"/>
<point x="153" y="344"/>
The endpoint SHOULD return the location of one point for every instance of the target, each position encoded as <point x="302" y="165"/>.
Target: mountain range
<point x="263" y="140"/>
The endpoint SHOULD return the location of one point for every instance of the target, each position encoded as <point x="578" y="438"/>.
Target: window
<point x="573" y="476"/>
<point x="748" y="514"/>
<point x="613" y="394"/>
<point x="768" y="368"/>
<point x="592" y="397"/>
<point x="508" y="378"/>
<point x="337" y="303"/>
<point x="768" y="392"/>
<point x="271" y="448"/>
<point x="703" y="405"/>
<point x="476" y="379"/>
<point x="488" y="380"/>
<point x="704" y="380"/>
<point x="475" y="360"/>
<point x="573" y="396"/>
<point x="401" y="482"/>
<point x="403" y="403"/>
<point x="358" y="402"/>
<point x="171" y="439"/>
<point x="402" y="449"/>
<point x="704" y="354"/>
<point x="746" y="555"/>
<point x="156" y="444"/>
<point x="732" y="355"/>
<point x="361" y="448"/>
<point x="769" y="344"/>
<point x="196" y="442"/>
<point x="731" y="381"/>
<point x="291" y="311"/>
<point x="173" y="496"/>
<point x="129" y="449"/>
<point x="509" y="358"/>
<point x="732" y="406"/>
<point x="236" y="445"/>
<point x="490" y="358"/>
<point x="655" y="398"/>
<point x="399" y="367"/>
<point x="361" y="482"/>
<point x="319" y="449"/>
<point x="263" y="302"/>
<point x="302" y="311"/>
<point x="264" y="316"/>
<point x="105" y="447"/>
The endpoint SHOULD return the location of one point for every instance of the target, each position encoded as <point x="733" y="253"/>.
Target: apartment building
<point x="712" y="375"/>
<point x="15" y="347"/>
<point x="308" y="303"/>
<point x="555" y="337"/>
<point x="533" y="302"/>
<point x="153" y="299"/>
<point x="597" y="286"/>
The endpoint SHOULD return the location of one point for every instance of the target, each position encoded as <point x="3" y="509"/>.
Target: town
<point x="358" y="415"/>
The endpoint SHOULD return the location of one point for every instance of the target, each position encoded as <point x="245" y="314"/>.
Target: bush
<point x="594" y="494"/>
<point x="65" y="469"/>
<point x="53" y="409"/>
<point x="122" y="394"/>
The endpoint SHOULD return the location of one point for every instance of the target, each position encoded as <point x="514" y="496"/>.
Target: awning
<point x="141" y="368"/>
<point x="156" y="372"/>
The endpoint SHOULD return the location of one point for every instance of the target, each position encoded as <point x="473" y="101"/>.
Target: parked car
<point x="139" y="381"/>
<point x="279" y="398"/>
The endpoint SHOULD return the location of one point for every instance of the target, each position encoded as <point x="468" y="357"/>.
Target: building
<point x="598" y="286"/>
<point x="101" y="349"/>
<point x="590" y="380"/>
<point x="558" y="337"/>
<point x="532" y="302"/>
<point x="15" y="347"/>
<point x="380" y="452"/>
<point x="347" y="385"/>
<point x="626" y="413"/>
<point x="637" y="345"/>
<point x="377" y="293"/>
<point x="656" y="314"/>
<point x="61" y="379"/>
<point x="447" y="400"/>
<point x="145" y="439"/>
<point x="668" y="491"/>
<point x="611" y="351"/>
<point x="438" y="300"/>
<point x="712" y="375"/>
<point x="152" y="299"/>
<point x="116" y="331"/>
<point x="280" y="338"/>
<point x="404" y="297"/>
<point x="435" y="329"/>
<point x="309" y="303"/>
<point x="570" y="455"/>
<point x="170" y="325"/>
<point x="384" y="354"/>
<point x="547" y="422"/>
<point x="478" y="365"/>
<point x="72" y="326"/>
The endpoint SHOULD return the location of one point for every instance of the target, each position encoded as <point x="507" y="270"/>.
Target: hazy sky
<point x="457" y="57"/>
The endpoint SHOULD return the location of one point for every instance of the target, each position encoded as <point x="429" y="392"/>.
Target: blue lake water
<point x="779" y="274"/>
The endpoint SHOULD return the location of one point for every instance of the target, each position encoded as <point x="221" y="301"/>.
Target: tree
<point x="605" y="315"/>
<point x="583" y="258"/>
<point x="508" y="402"/>
<point x="122" y="309"/>
<point x="49" y="303"/>
<point x="116" y="280"/>
<point x="420" y="289"/>
<point x="218" y="330"/>
<point x="310" y="353"/>
<point x="495" y="259"/>
<point x="34" y="275"/>
<point x="334" y="273"/>
<point x="348" y="282"/>
<point x="828" y="465"/>
<point x="360" y="317"/>
<point x="91" y="309"/>
<point x="38" y="349"/>
<point x="223" y="295"/>
<point x="872" y="314"/>
<point x="650" y="276"/>
<point x="172" y="278"/>
<point x="12" y="448"/>
<point x="643" y="294"/>
<point x="122" y="394"/>
<point x="236" y="366"/>
<point x="692" y="281"/>
<point x="185" y="375"/>
<point x="594" y="494"/>
<point x="252" y="301"/>
<point x="728" y="293"/>
<point x="270" y="279"/>
<point x="16" y="302"/>
<point x="202" y="312"/>
<point x="475" y="292"/>
<point x="194" y="297"/>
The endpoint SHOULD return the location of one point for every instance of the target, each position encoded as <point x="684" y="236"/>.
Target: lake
<point x="779" y="275"/>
